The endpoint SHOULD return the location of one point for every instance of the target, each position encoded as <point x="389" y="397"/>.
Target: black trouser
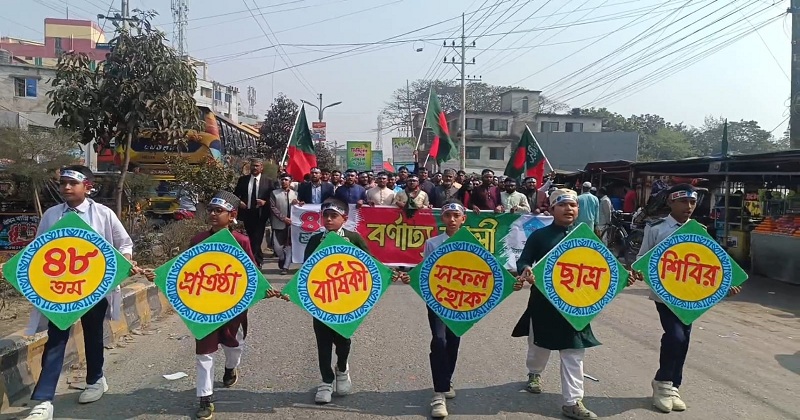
<point x="56" y="346"/>
<point x="255" y="228"/>
<point x="326" y="339"/>
<point x="444" y="353"/>
<point x="674" y="346"/>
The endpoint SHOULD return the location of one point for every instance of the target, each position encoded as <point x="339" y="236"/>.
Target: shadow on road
<point x="488" y="401"/>
<point x="790" y="362"/>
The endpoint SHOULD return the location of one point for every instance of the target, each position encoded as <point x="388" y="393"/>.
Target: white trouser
<point x="205" y="365"/>
<point x="571" y="368"/>
<point x="284" y="253"/>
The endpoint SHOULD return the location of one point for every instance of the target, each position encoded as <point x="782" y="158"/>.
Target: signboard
<point x="377" y="161"/>
<point x="689" y="271"/>
<point x="403" y="151"/>
<point x="461" y="282"/>
<point x="580" y="276"/>
<point x="211" y="283"/>
<point x="17" y="231"/>
<point x="319" y="131"/>
<point x="67" y="270"/>
<point x="339" y="284"/>
<point x="359" y="155"/>
<point x="395" y="239"/>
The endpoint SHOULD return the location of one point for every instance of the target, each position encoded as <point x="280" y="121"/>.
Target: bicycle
<point x="622" y="238"/>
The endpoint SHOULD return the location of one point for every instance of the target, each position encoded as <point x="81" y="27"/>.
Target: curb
<point x="21" y="356"/>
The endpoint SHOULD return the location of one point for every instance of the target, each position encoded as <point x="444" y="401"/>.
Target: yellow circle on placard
<point x="461" y="281"/>
<point x="66" y="270"/>
<point x="581" y="277"/>
<point x="212" y="282"/>
<point x="339" y="284"/>
<point x="690" y="271"/>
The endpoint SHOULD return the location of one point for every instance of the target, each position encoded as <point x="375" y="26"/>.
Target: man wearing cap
<point x="590" y="207"/>
<point x="75" y="183"/>
<point x="315" y="191"/>
<point x="253" y="192"/>
<point x="350" y="192"/>
<point x="280" y="203"/>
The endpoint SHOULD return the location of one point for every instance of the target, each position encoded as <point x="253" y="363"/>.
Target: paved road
<point x="743" y="363"/>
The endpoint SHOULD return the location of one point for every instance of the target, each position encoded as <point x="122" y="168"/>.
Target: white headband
<point x="220" y="202"/>
<point x="454" y="207"/>
<point x="564" y="197"/>
<point x="683" y="194"/>
<point x="69" y="173"/>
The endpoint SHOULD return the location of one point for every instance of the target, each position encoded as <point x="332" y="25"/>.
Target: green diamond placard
<point x="689" y="271"/>
<point x="461" y="282"/>
<point x="580" y="276"/>
<point x="211" y="283"/>
<point x="339" y="284"/>
<point x="67" y="270"/>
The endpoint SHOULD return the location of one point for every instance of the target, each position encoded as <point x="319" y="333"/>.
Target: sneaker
<point x="93" y="392"/>
<point x="662" y="395"/>
<point x="343" y="382"/>
<point x="324" y="392"/>
<point x="206" y="409"/>
<point x="284" y="272"/>
<point x="42" y="411"/>
<point x="438" y="406"/>
<point x="534" y="385"/>
<point x="451" y="393"/>
<point x="677" y="402"/>
<point x="577" y="411"/>
<point x="230" y="377"/>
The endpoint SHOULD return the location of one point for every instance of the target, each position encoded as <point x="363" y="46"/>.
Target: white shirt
<point x="655" y="233"/>
<point x="380" y="196"/>
<point x="606" y="208"/>
<point x="105" y="222"/>
<point x="516" y="201"/>
<point x="253" y="179"/>
<point x="433" y="243"/>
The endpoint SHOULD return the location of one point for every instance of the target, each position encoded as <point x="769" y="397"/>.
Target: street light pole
<point x="320" y="109"/>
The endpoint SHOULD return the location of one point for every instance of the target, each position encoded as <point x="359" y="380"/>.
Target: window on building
<point x="37" y="61"/>
<point x="25" y="87"/>
<point x="205" y="92"/>
<point x="217" y="95"/>
<point x="498" y="125"/>
<point x="497" y="153"/>
<point x="549" y="126"/>
<point x="227" y="98"/>
<point x="474" y="124"/>
<point x="573" y="127"/>
<point x="473" y="152"/>
<point x="525" y="105"/>
<point x="59" y="49"/>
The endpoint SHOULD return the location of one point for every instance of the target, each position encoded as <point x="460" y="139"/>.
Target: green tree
<point x="277" y="128"/>
<point x="325" y="157"/>
<point x="744" y="137"/>
<point x="37" y="156"/>
<point x="142" y="85"/>
<point x="665" y="144"/>
<point x="202" y="181"/>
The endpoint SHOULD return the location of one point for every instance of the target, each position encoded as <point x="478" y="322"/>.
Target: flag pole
<point x="289" y="142"/>
<point x="424" y="121"/>
<point x="539" y="146"/>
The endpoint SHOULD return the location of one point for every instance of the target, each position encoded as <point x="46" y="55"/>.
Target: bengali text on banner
<point x="398" y="240"/>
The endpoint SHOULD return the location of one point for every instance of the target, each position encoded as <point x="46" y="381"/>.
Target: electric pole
<point x="123" y="16"/>
<point x="794" y="108"/>
<point x="321" y="109"/>
<point x="464" y="78"/>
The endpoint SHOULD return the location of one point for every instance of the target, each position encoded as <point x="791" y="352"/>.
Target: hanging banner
<point x="396" y="239"/>
<point x="580" y="276"/>
<point x="359" y="155"/>
<point x="319" y="131"/>
<point x="339" y="284"/>
<point x="689" y="271"/>
<point x="211" y="283"/>
<point x="461" y="282"/>
<point x="403" y="151"/>
<point x="377" y="161"/>
<point x="67" y="270"/>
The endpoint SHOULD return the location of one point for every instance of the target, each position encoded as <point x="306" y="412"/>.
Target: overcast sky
<point x="632" y="56"/>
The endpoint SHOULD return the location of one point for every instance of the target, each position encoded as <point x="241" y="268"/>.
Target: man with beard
<point x="412" y="198"/>
<point x="391" y="182"/>
<point x="363" y="180"/>
<point x="511" y="200"/>
<point x="485" y="196"/>
<point x="445" y="192"/>
<point x="350" y="192"/>
<point x="425" y="183"/>
<point x="336" y="179"/>
<point x="253" y="192"/>
<point x="402" y="177"/>
<point x="537" y="197"/>
<point x="380" y="195"/>
<point x="437" y="179"/>
<point x="315" y="191"/>
<point x="326" y="175"/>
<point x="280" y="203"/>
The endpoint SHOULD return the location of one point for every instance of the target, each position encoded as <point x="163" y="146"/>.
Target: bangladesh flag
<point x="302" y="156"/>
<point x="442" y="148"/>
<point x="527" y="159"/>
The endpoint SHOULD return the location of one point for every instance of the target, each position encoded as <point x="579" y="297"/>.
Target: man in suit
<point x="280" y="203"/>
<point x="315" y="191"/>
<point x="254" y="190"/>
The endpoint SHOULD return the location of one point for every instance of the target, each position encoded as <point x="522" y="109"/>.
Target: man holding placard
<point x="75" y="184"/>
<point x="682" y="200"/>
